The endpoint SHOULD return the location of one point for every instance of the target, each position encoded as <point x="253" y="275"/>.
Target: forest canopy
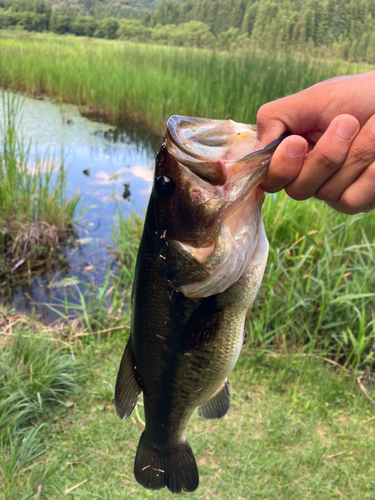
<point x="342" y="28"/>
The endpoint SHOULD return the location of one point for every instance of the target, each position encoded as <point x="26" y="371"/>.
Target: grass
<point x="37" y="375"/>
<point x="298" y="428"/>
<point x="35" y="217"/>
<point x="122" y="81"/>
<point x="317" y="292"/>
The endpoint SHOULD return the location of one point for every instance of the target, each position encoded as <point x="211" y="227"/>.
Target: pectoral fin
<point x="218" y="404"/>
<point x="127" y="389"/>
<point x="202" y="325"/>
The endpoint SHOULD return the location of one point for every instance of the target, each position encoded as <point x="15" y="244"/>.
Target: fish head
<point x="207" y="202"/>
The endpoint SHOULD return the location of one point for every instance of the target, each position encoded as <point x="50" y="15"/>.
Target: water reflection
<point x="111" y="168"/>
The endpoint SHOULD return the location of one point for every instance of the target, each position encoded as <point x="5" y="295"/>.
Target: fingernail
<point x="295" y="150"/>
<point x="346" y="129"/>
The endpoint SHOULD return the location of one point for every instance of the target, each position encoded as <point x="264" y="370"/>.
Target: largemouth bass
<point x="199" y="266"/>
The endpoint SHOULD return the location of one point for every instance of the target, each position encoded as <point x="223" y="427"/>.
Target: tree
<point x="249" y="19"/>
<point x="83" y="26"/>
<point x="321" y="27"/>
<point x="370" y="53"/>
<point x="110" y="27"/>
<point x="238" y="14"/>
<point x="266" y="11"/>
<point x="60" y="23"/>
<point x="134" y="30"/>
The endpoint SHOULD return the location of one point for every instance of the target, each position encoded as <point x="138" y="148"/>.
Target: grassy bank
<point x="35" y="216"/>
<point x="38" y="375"/>
<point x="122" y="81"/>
<point x="298" y="427"/>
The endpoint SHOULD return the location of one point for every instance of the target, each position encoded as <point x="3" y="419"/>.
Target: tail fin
<point x="171" y="467"/>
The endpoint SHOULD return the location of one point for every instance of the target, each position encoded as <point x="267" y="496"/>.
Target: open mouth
<point x="220" y="152"/>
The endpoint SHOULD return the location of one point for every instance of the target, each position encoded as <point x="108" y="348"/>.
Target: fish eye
<point x="164" y="186"/>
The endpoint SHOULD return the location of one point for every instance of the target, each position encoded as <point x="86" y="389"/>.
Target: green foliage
<point x="297" y="428"/>
<point x="134" y="30"/>
<point x="83" y="26"/>
<point x="191" y="34"/>
<point x="35" y="375"/>
<point x="109" y="27"/>
<point x="30" y="21"/>
<point x="60" y="23"/>
<point x="317" y="288"/>
<point x="310" y="24"/>
<point x="370" y="50"/>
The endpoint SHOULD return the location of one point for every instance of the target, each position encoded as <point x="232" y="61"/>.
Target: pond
<point x="112" y="170"/>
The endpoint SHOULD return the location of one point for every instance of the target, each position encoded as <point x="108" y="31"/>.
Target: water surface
<point x="111" y="168"/>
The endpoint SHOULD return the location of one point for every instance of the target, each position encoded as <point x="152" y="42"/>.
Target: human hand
<point x="333" y="156"/>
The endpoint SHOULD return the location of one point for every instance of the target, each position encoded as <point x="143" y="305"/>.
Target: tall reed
<point x="122" y="80"/>
<point x="318" y="287"/>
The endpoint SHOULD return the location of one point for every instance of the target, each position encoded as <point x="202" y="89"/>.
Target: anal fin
<point x="127" y="390"/>
<point x="218" y="404"/>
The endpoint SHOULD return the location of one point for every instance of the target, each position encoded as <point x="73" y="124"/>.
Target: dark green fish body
<point x="193" y="289"/>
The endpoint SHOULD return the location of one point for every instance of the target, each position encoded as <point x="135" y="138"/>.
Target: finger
<point x="359" y="196"/>
<point x="326" y="158"/>
<point x="300" y="113"/>
<point x="360" y="156"/>
<point x="270" y="127"/>
<point x="286" y="164"/>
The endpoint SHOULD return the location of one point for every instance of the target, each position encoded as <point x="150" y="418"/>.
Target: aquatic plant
<point x="35" y="216"/>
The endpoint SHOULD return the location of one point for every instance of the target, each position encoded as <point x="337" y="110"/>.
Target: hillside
<point x="132" y="9"/>
<point x="329" y="28"/>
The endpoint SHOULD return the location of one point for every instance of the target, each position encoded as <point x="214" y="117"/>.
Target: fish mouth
<point x="218" y="151"/>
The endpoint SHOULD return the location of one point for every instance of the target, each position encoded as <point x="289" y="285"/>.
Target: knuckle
<point x="296" y="193"/>
<point x="328" y="193"/>
<point x="363" y="156"/>
<point x="329" y="159"/>
<point x="264" y="110"/>
<point x="265" y="113"/>
<point x="351" y="203"/>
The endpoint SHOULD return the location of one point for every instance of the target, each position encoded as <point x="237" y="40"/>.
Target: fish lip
<point x="175" y="122"/>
